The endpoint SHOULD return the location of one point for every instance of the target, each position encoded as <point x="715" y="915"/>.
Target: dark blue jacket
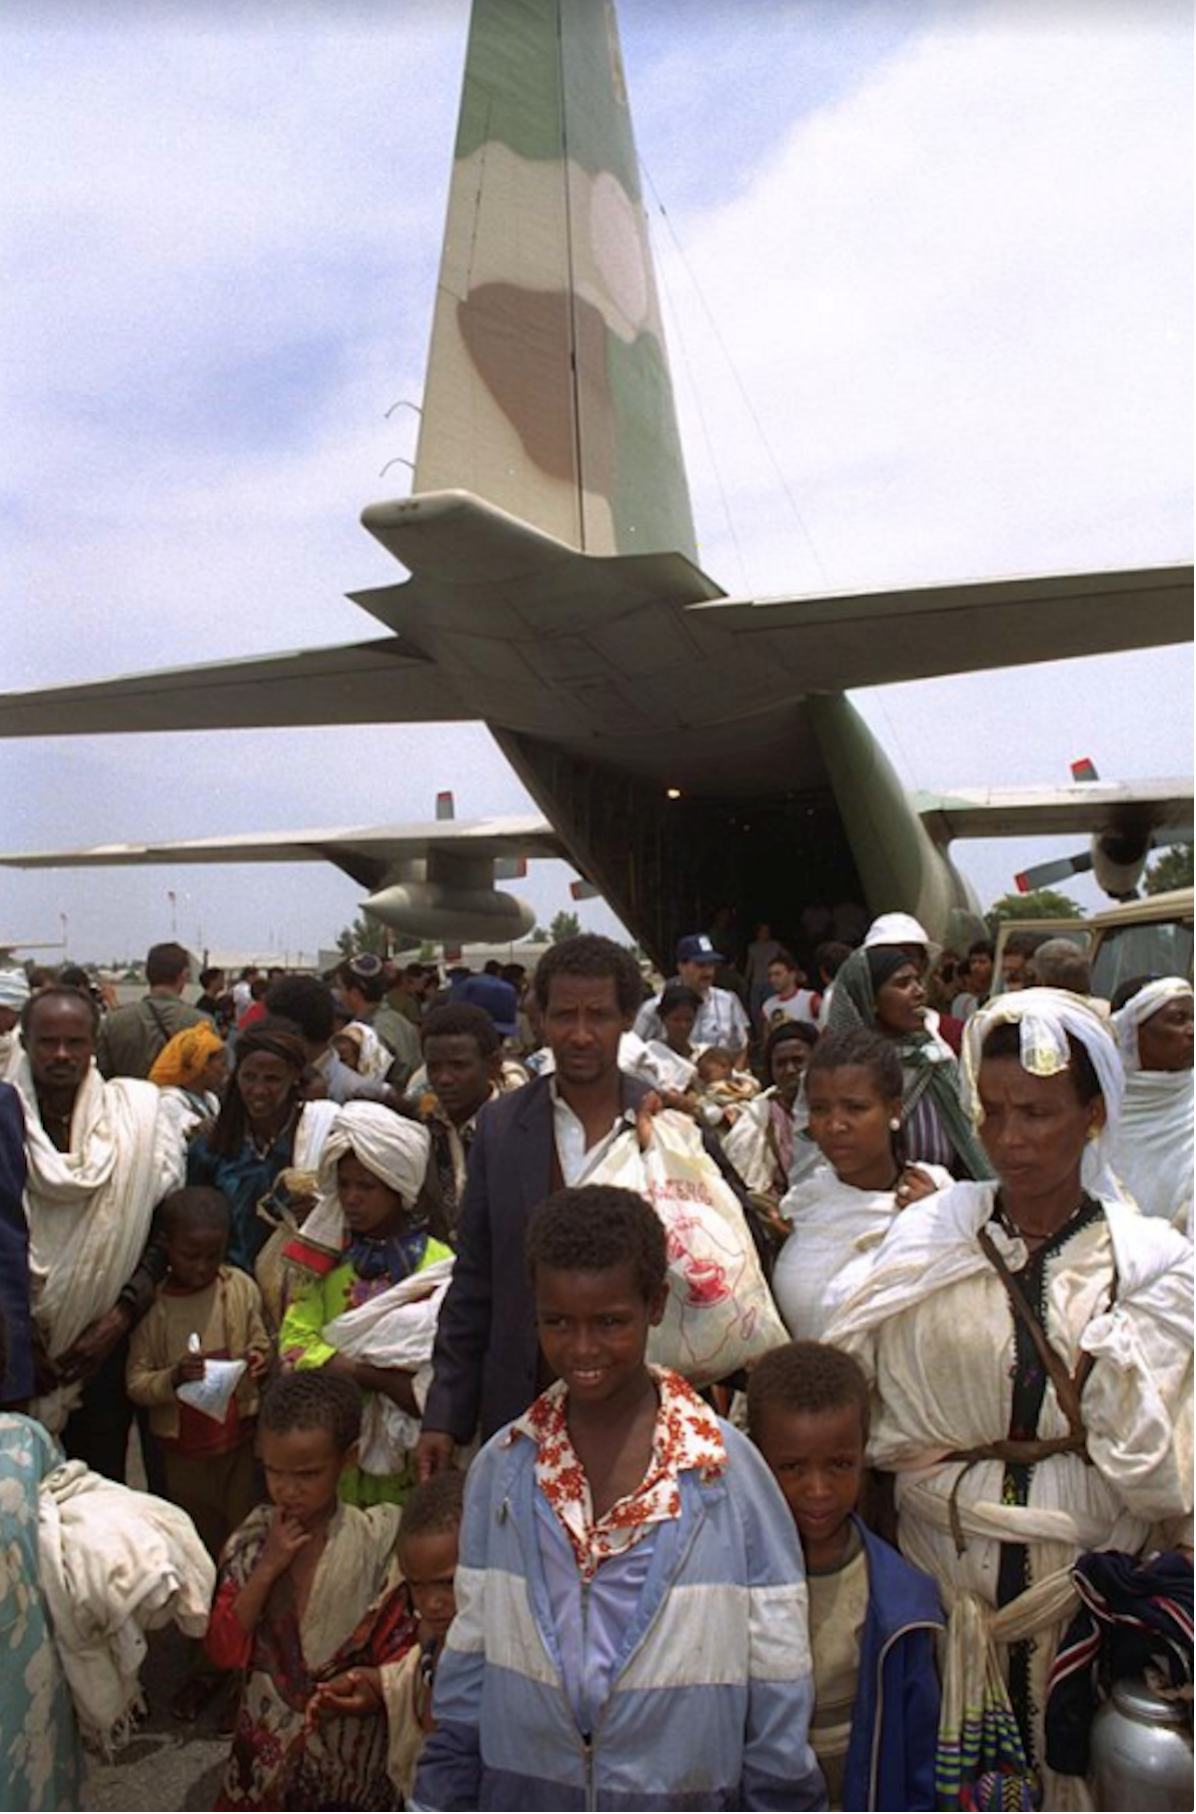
<point x="895" y="1721"/>
<point x="16" y="1384"/>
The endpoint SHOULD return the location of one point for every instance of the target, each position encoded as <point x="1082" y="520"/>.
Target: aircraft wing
<point x="353" y="683"/>
<point x="369" y="854"/>
<point x="840" y="640"/>
<point x="1092" y="808"/>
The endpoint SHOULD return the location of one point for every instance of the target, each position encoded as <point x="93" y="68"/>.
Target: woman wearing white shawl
<point x="842" y="1210"/>
<point x="1152" y="1156"/>
<point x="101" y="1156"/>
<point x="369" y="1276"/>
<point x="999" y="1488"/>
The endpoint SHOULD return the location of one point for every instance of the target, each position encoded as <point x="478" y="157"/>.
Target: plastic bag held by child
<point x="213" y="1393"/>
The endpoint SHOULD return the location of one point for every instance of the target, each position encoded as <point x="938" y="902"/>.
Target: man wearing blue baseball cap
<point x="722" y="1019"/>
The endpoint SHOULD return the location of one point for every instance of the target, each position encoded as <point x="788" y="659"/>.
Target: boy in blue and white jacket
<point x="873" y="1616"/>
<point x="631" y="1608"/>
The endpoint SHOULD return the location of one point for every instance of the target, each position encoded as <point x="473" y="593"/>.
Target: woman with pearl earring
<point x="840" y="1213"/>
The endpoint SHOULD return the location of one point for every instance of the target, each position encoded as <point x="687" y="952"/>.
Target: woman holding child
<point x="1031" y="1348"/>
<point x="368" y="1273"/>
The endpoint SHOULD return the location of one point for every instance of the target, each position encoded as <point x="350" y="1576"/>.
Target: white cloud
<point x="959" y="299"/>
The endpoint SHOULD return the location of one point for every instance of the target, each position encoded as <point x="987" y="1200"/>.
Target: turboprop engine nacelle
<point x="434" y="910"/>
<point x="1118" y="859"/>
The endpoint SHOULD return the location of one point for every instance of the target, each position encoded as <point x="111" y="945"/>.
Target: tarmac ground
<point x="166" y="1765"/>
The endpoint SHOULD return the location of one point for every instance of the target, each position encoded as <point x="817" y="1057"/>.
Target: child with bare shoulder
<point x="308" y="1592"/>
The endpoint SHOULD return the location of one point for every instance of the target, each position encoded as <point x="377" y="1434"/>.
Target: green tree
<point x="562" y="926"/>
<point x="1039" y="904"/>
<point x="1172" y="870"/>
<point x="364" y="934"/>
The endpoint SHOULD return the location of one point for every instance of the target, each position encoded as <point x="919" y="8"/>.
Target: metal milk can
<point x="1141" y="1754"/>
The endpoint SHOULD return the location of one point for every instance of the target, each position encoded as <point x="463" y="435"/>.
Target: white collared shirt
<point x="577" y="1160"/>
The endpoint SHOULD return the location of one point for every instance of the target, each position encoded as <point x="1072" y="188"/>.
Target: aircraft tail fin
<point x="548" y="389"/>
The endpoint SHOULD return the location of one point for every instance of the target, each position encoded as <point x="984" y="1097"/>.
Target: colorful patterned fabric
<point x="1134" y="1617"/>
<point x="41" y="1760"/>
<point x="355" y="1616"/>
<point x="981" y="1760"/>
<point x="686" y="1436"/>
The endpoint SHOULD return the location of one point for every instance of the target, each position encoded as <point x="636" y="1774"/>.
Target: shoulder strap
<point x="160" y="1026"/>
<point x="1068" y="1386"/>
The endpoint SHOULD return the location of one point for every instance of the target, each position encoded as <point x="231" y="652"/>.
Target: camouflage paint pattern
<point x="548" y="390"/>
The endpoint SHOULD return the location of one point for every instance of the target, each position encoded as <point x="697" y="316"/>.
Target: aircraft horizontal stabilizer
<point x="843" y="640"/>
<point x="354" y="683"/>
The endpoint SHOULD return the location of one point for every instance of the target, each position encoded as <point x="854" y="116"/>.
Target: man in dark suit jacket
<point x="528" y="1144"/>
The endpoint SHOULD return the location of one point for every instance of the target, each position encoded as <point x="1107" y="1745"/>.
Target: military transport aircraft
<point x="687" y="748"/>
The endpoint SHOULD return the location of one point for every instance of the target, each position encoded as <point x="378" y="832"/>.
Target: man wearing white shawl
<point x="1010" y="1459"/>
<point x="101" y="1156"/>
<point x="1152" y="1156"/>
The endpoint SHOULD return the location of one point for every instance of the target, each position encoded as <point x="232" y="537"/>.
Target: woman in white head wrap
<point x="14" y="993"/>
<point x="1031" y="1348"/>
<point x="369" y="1273"/>
<point x="1152" y="1156"/>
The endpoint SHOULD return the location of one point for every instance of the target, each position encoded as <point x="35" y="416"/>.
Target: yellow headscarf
<point x="183" y="1059"/>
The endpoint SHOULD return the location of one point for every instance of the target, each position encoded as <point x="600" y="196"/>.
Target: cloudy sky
<point x="927" y="280"/>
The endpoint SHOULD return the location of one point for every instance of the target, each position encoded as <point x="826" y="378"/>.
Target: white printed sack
<point x="720" y="1314"/>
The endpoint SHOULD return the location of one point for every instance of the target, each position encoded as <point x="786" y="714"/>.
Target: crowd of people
<point x="380" y="1275"/>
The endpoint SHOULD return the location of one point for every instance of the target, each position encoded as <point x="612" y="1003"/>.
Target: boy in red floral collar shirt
<point x="631" y="1627"/>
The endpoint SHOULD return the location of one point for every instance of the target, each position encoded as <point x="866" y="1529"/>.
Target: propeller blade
<point x="1043" y="874"/>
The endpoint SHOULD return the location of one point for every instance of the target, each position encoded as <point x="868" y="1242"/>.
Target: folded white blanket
<point x="115" y="1564"/>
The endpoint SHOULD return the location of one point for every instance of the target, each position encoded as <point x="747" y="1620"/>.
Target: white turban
<point x="896" y="929"/>
<point x="391" y="1146"/>
<point x="14" y="989"/>
<point x="1045" y="1018"/>
<point x="1140" y="1007"/>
